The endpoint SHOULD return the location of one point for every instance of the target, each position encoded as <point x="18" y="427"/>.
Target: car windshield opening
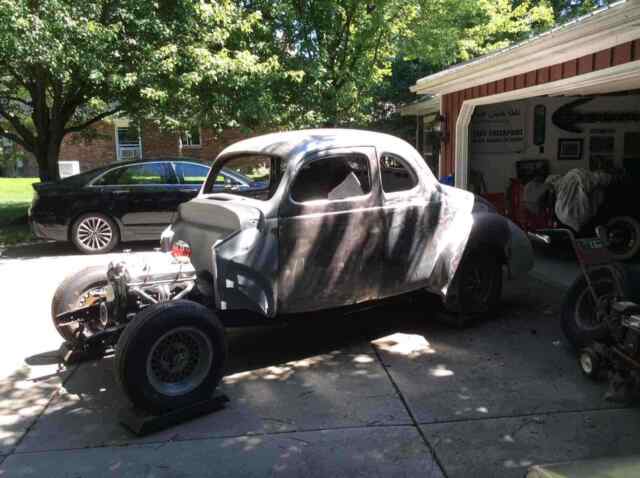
<point x="251" y="175"/>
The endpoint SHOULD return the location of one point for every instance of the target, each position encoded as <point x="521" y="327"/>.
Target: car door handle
<point x="120" y="191"/>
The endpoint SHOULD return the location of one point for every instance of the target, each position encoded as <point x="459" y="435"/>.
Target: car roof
<point x="292" y="145"/>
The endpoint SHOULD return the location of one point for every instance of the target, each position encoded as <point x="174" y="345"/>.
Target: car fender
<point x="494" y="232"/>
<point x="244" y="271"/>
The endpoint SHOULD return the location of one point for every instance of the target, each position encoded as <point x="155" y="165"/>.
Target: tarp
<point x="579" y="195"/>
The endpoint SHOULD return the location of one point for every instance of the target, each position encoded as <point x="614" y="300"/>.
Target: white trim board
<point x="609" y="80"/>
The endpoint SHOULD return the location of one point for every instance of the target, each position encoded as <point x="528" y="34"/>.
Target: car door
<point x="407" y="236"/>
<point x="143" y="196"/>
<point x="190" y="179"/>
<point x="329" y="232"/>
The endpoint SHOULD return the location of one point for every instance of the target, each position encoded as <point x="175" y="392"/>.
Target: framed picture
<point x="569" y="149"/>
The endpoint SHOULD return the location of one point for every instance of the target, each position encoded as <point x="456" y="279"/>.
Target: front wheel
<point x="81" y="289"/>
<point x="583" y="319"/>
<point x="170" y="356"/>
<point x="590" y="363"/>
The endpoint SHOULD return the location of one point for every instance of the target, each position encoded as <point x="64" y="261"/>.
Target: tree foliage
<point x="65" y="64"/>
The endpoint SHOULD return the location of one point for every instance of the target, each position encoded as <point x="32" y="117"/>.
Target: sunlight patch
<point x="440" y="370"/>
<point x="362" y="359"/>
<point x="410" y="345"/>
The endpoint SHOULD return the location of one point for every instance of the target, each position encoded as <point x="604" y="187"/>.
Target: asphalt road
<point x="386" y="392"/>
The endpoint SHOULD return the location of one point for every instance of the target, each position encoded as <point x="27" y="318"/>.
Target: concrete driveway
<point x="386" y="392"/>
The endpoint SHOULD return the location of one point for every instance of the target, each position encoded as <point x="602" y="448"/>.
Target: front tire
<point x="590" y="363"/>
<point x="78" y="290"/>
<point x="95" y="233"/>
<point x="170" y="356"/>
<point x="581" y="319"/>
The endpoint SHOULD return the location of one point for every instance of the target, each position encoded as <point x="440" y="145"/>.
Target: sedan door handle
<point x="120" y="191"/>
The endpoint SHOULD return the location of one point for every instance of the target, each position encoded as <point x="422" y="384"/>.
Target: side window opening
<point x="139" y="174"/>
<point x="396" y="175"/>
<point x="251" y="175"/>
<point x="333" y="178"/>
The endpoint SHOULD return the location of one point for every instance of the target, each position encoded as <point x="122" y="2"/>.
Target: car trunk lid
<point x="210" y="219"/>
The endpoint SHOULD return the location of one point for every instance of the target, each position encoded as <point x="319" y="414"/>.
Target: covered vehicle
<point x="342" y="217"/>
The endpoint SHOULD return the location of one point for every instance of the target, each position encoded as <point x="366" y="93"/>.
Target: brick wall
<point x="91" y="152"/>
<point x="101" y="149"/>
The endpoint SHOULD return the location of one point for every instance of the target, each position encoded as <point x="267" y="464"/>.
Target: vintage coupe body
<point x="344" y="217"/>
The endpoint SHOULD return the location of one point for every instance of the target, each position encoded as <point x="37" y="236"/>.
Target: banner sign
<point x="497" y="129"/>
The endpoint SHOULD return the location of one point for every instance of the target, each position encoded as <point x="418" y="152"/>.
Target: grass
<point x="15" y="198"/>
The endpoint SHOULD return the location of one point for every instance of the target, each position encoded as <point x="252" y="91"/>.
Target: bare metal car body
<point x="279" y="256"/>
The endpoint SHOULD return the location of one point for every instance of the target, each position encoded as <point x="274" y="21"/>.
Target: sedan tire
<point x="95" y="233"/>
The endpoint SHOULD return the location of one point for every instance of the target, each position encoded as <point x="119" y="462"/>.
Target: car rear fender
<point x="497" y="234"/>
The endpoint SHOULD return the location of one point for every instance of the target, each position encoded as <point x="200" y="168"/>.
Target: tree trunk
<point x="47" y="159"/>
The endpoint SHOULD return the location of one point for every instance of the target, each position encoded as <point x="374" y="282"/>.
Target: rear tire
<point x="95" y="233"/>
<point x="170" y="356"/>
<point x="477" y="286"/>
<point x="75" y="292"/>
<point x="624" y="237"/>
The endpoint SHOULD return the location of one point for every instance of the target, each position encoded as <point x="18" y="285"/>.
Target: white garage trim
<point x="608" y="27"/>
<point x="609" y="80"/>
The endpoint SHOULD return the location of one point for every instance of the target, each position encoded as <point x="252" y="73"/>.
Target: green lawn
<point x="15" y="198"/>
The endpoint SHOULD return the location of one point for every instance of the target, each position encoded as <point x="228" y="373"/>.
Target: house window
<point x="128" y="143"/>
<point x="190" y="138"/>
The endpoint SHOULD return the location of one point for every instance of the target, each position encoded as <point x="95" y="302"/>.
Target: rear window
<point x="189" y="173"/>
<point x="396" y="174"/>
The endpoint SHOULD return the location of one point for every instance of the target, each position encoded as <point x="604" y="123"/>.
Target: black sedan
<point x="126" y="201"/>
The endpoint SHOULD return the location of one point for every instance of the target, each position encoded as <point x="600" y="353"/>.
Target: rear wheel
<point x="95" y="233"/>
<point x="170" y="356"/>
<point x="477" y="286"/>
<point x="623" y="236"/>
<point x="81" y="289"/>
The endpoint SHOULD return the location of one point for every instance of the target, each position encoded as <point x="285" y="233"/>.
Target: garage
<point x="559" y="112"/>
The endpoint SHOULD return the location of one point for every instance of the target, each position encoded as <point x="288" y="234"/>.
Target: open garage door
<point x="510" y="147"/>
<point x="621" y="78"/>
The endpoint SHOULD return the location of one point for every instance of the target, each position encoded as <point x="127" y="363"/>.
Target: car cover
<point x="579" y="194"/>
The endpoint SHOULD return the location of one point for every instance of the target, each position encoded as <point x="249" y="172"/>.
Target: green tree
<point x="351" y="54"/>
<point x="566" y="10"/>
<point x="66" y="64"/>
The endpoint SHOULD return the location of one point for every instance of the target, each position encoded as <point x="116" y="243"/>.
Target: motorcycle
<point x="599" y="320"/>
